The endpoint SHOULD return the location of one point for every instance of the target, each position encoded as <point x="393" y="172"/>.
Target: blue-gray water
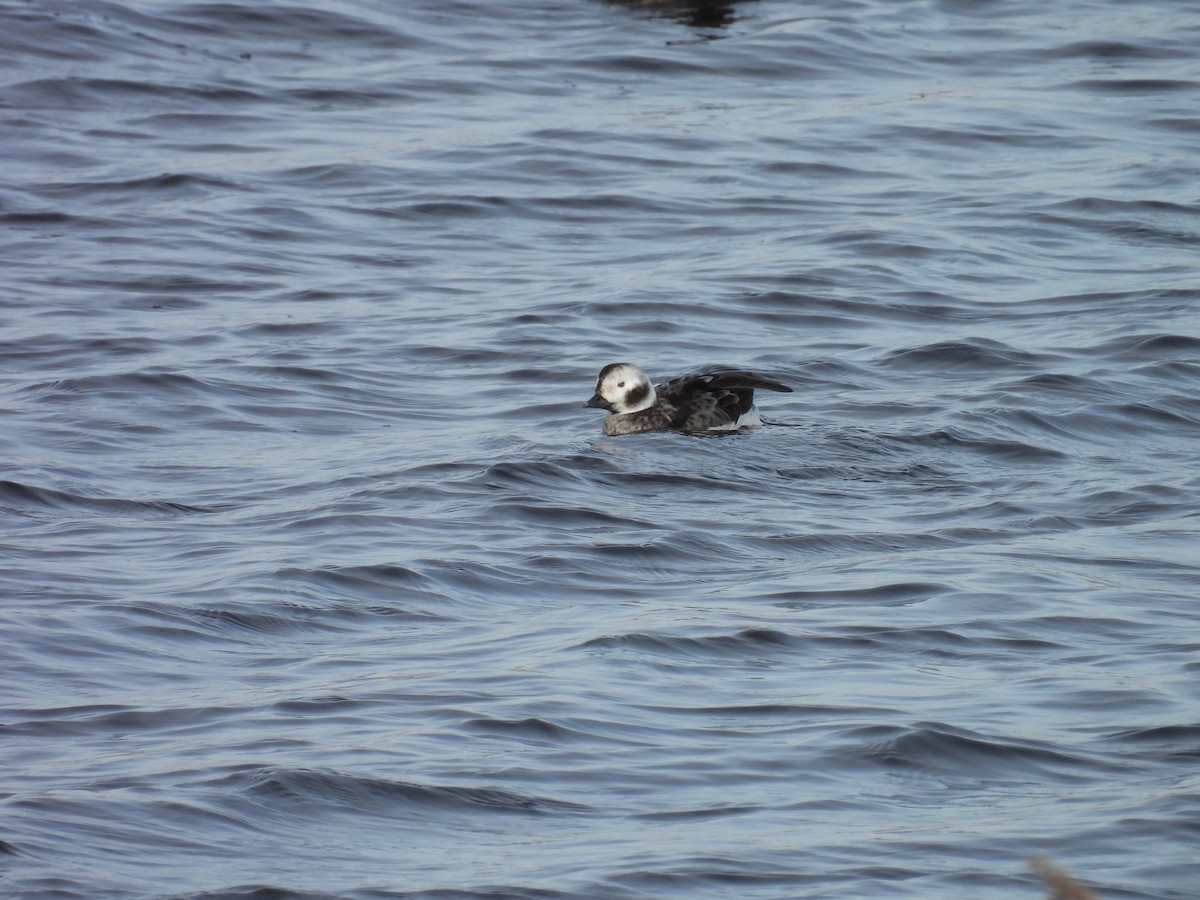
<point x="317" y="580"/>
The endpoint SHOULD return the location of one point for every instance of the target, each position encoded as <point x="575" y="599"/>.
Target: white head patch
<point x="626" y="387"/>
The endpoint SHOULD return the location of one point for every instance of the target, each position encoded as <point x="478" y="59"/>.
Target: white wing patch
<point x="748" y="419"/>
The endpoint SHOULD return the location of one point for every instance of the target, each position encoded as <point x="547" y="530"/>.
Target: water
<point x="319" y="582"/>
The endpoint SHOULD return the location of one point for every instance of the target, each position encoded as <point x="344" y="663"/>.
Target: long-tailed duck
<point x="714" y="399"/>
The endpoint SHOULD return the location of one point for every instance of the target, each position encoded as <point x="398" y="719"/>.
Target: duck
<point x="712" y="399"/>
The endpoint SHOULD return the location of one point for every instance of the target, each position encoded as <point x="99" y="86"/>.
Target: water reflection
<point x="697" y="13"/>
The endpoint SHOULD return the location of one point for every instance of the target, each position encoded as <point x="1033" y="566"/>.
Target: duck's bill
<point x="597" y="402"/>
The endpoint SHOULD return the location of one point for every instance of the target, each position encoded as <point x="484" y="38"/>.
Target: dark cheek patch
<point x="637" y="394"/>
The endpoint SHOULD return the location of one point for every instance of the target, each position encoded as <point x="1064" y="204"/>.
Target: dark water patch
<point x="1158" y="234"/>
<point x="1132" y="86"/>
<point x="76" y="93"/>
<point x="750" y="641"/>
<point x="1108" y="702"/>
<point x="1050" y="309"/>
<point x="459" y="356"/>
<point x="786" y="714"/>
<point x="563" y="517"/>
<point x="274" y="892"/>
<point x="947" y="643"/>
<point x="200" y="399"/>
<point x="973" y="355"/>
<point x="361" y="795"/>
<point x="620" y="65"/>
<point x="697" y="815"/>
<point x="532" y="731"/>
<point x="646" y="555"/>
<point x="1109" y="207"/>
<point x="1082" y="426"/>
<point x="897" y="594"/>
<point x="56" y="351"/>
<point x="1140" y="225"/>
<point x="807" y="310"/>
<point x="445" y="472"/>
<point x="919" y="476"/>
<point x="570" y="575"/>
<point x="254" y="623"/>
<point x="205" y="123"/>
<point x="953" y="752"/>
<point x="288" y="329"/>
<point x="1155" y="416"/>
<point x="1009" y="134"/>
<point x="110" y="722"/>
<point x="27" y="499"/>
<point x="53" y="219"/>
<point x="351" y="99"/>
<point x="700" y="551"/>
<point x="294" y="373"/>
<point x="170" y="304"/>
<point x="172" y="284"/>
<point x="473" y="582"/>
<point x="473" y="208"/>
<point x="879" y="244"/>
<point x="829" y="542"/>
<point x="705" y="483"/>
<point x="1144" y="503"/>
<point x="817" y="169"/>
<point x="1166" y="744"/>
<point x="177" y="185"/>
<point x="1066" y="385"/>
<point x="55" y="37"/>
<point x="386" y="576"/>
<point x="750" y="646"/>
<point x="352" y="176"/>
<point x="1178" y="124"/>
<point x="285" y="222"/>
<point x="166" y="622"/>
<point x="602" y="208"/>
<point x="1117" y="50"/>
<point x="292" y="612"/>
<point x="349" y="594"/>
<point x="1087" y="630"/>
<point x="1180" y="372"/>
<point x="541" y="475"/>
<point x="319" y="706"/>
<point x="1150" y="347"/>
<point x="1007" y="450"/>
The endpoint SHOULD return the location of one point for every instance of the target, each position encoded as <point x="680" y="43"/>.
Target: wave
<point x="25" y="498"/>
<point x="949" y="751"/>
<point x="332" y="791"/>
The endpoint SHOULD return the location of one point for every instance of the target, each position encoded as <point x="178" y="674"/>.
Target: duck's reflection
<point x="697" y="13"/>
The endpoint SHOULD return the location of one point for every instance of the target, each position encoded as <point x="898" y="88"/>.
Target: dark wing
<point x="721" y="379"/>
<point x="714" y="397"/>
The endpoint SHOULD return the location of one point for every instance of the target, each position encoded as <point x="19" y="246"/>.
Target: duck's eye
<point x="620" y="384"/>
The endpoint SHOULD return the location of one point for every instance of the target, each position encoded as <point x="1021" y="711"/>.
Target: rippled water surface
<point x="317" y="580"/>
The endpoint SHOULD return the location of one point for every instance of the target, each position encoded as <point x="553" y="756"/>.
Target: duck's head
<point x="622" y="388"/>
